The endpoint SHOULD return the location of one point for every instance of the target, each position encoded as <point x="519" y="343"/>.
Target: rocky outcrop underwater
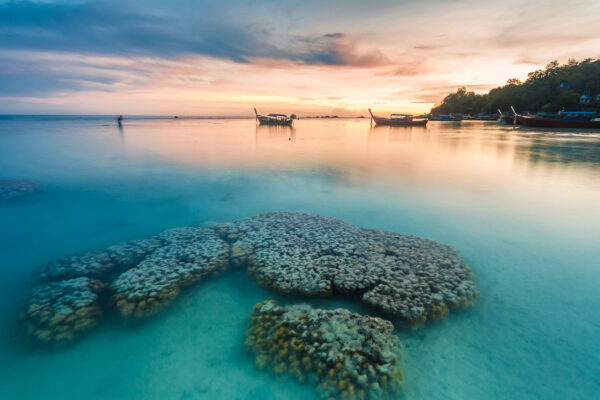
<point x="11" y="189"/>
<point x="347" y="356"/>
<point x="403" y="277"/>
<point x="56" y="313"/>
<point x="288" y="252"/>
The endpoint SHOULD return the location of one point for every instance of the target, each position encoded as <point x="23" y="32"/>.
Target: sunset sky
<point x="183" y="57"/>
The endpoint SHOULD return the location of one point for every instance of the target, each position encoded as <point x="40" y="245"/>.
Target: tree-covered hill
<point x="549" y="89"/>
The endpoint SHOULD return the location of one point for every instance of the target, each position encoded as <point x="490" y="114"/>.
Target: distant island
<point x="572" y="86"/>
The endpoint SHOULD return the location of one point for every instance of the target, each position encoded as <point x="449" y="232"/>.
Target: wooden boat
<point x="273" y="119"/>
<point x="507" y="118"/>
<point x="445" y="117"/>
<point x="486" y="117"/>
<point x="398" y="120"/>
<point x="560" y="120"/>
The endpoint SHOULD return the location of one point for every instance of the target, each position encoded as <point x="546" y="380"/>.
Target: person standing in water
<point x="120" y="120"/>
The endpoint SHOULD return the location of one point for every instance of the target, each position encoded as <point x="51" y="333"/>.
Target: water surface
<point x="522" y="206"/>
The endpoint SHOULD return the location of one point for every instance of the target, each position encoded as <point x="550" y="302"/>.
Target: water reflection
<point x="121" y="132"/>
<point x="439" y="150"/>
<point x="275" y="132"/>
<point x="395" y="133"/>
<point x="564" y="149"/>
<point x="486" y="163"/>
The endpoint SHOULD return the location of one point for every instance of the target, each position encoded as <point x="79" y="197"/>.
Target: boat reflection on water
<point x="342" y="144"/>
<point x="274" y="132"/>
<point x="395" y="133"/>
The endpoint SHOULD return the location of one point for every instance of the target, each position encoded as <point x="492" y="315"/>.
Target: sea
<point x="521" y="205"/>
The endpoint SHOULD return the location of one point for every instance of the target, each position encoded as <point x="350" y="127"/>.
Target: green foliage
<point x="549" y="89"/>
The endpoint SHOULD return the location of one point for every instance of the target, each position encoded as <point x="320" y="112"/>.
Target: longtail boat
<point x="560" y="120"/>
<point x="445" y="117"/>
<point x="398" y="120"/>
<point x="486" y="117"/>
<point x="507" y="118"/>
<point x="273" y="119"/>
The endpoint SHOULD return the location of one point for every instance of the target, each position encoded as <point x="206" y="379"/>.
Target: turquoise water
<point x="522" y="206"/>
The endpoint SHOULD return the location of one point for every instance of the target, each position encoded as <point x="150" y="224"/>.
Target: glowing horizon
<point x="78" y="57"/>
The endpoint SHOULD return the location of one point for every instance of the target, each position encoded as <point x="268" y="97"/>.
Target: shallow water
<point x="522" y="206"/>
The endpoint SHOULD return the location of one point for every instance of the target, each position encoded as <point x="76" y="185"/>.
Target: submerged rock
<point x="288" y="252"/>
<point x="190" y="255"/>
<point x="14" y="188"/>
<point x="98" y="264"/>
<point x="348" y="356"/>
<point x="55" y="314"/>
<point x="404" y="276"/>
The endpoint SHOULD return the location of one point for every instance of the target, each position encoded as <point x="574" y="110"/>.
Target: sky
<point x="184" y="57"/>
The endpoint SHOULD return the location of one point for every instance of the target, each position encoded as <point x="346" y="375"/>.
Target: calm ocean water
<point x="522" y="207"/>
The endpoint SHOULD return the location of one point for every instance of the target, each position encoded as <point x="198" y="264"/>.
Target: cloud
<point x="425" y="47"/>
<point x="31" y="73"/>
<point x="408" y="66"/>
<point x="412" y="68"/>
<point x="130" y="54"/>
<point x="333" y="49"/>
<point x="118" y="28"/>
<point x="111" y="28"/>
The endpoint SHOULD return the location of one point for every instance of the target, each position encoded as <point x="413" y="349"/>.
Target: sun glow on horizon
<point x="317" y="66"/>
<point x="203" y="85"/>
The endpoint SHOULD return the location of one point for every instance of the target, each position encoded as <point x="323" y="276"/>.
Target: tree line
<point x="551" y="89"/>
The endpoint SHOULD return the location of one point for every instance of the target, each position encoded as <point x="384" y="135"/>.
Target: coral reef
<point x="418" y="278"/>
<point x="288" y="252"/>
<point x="348" y="356"/>
<point x="98" y="264"/>
<point x="296" y="252"/>
<point x="55" y="314"/>
<point x="190" y="255"/>
<point x="404" y="276"/>
<point x="14" y="188"/>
